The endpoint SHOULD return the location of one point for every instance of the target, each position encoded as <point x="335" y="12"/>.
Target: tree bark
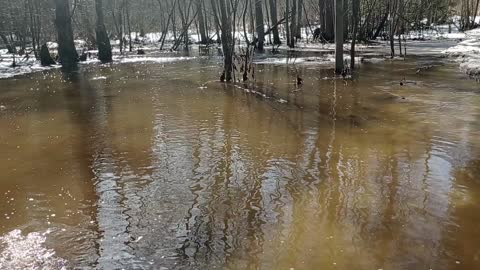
<point x="260" y="28"/>
<point x="103" y="42"/>
<point x="201" y="22"/>
<point x="293" y="25"/>
<point x="339" y="36"/>
<point x="66" y="47"/>
<point x="227" y="42"/>
<point x="45" y="57"/>
<point x="274" y="18"/>
<point x="298" y="32"/>
<point x="355" y="19"/>
<point x="329" y="21"/>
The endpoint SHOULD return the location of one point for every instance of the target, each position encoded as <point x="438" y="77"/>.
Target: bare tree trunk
<point x="10" y="48"/>
<point x="66" y="47"/>
<point x="329" y="21"/>
<point x="103" y="42"/>
<point x="339" y="36"/>
<point x="201" y="22"/>
<point x="274" y="18"/>
<point x="260" y="28"/>
<point x="129" y="28"/>
<point x="382" y="22"/>
<point x="355" y="19"/>
<point x="298" y="34"/>
<point x="227" y="42"/>
<point x="293" y="25"/>
<point x="287" y="21"/>
<point x="321" y="7"/>
<point x="45" y="57"/>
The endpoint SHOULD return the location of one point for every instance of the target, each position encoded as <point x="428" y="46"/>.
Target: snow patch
<point x="99" y="78"/>
<point x="467" y="53"/>
<point x="152" y="59"/>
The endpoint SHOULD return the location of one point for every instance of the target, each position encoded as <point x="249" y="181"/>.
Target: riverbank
<point x="467" y="53"/>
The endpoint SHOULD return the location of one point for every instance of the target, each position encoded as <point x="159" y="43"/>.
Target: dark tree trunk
<point x="339" y="36"/>
<point x="10" y="48"/>
<point x="66" y="47"/>
<point x="129" y="28"/>
<point x="298" y="33"/>
<point x="293" y="25"/>
<point x="201" y="22"/>
<point x="321" y="7"/>
<point x="287" y="21"/>
<point x="227" y="42"/>
<point x="329" y="21"/>
<point x="382" y="23"/>
<point x="355" y="21"/>
<point x="45" y="57"/>
<point x="274" y="19"/>
<point x="260" y="28"/>
<point x="103" y="42"/>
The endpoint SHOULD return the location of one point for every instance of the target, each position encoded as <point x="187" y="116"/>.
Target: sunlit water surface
<point x="143" y="166"/>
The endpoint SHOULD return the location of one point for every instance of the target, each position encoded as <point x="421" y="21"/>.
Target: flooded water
<point x="143" y="166"/>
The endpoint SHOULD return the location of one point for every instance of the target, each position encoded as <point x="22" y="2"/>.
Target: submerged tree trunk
<point x="66" y="47"/>
<point x="103" y="42"/>
<point x="260" y="29"/>
<point x="339" y="36"/>
<point x="45" y="57"/>
<point x="227" y="42"/>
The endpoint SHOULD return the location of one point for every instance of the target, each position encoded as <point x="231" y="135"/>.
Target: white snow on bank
<point x="467" y="53"/>
<point x="325" y="60"/>
<point x="22" y="66"/>
<point x="438" y="32"/>
<point x="159" y="60"/>
<point x="28" y="252"/>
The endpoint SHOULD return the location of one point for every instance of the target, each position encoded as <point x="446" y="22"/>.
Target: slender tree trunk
<point x="355" y="19"/>
<point x="66" y="47"/>
<point x="339" y="36"/>
<point x="129" y="28"/>
<point x="382" y="22"/>
<point x="287" y="21"/>
<point x="293" y="25"/>
<point x="260" y="28"/>
<point x="103" y="42"/>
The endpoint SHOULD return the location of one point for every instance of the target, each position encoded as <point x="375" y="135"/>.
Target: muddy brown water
<point x="137" y="166"/>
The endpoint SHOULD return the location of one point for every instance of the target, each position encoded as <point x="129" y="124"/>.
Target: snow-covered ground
<point x="22" y="65"/>
<point x="467" y="53"/>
